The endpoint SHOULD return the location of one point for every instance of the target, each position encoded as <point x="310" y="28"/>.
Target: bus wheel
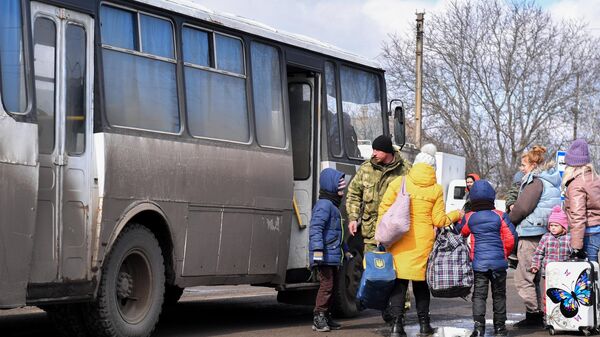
<point x="130" y="294"/>
<point x="348" y="280"/>
<point x="67" y="319"/>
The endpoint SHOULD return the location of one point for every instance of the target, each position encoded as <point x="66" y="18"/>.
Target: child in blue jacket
<point x="493" y="237"/>
<point x="325" y="244"/>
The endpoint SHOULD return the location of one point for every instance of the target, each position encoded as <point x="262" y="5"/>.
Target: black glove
<point x="578" y="254"/>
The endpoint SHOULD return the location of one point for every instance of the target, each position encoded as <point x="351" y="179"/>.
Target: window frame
<point x="145" y="55"/>
<point x="55" y="83"/>
<point x="284" y="98"/>
<point x="86" y="109"/>
<point x="212" y="60"/>
<point x="26" y="41"/>
<point x="139" y="35"/>
<point x="213" y="52"/>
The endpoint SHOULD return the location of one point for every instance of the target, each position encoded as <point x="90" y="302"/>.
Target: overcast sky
<point x="361" y="26"/>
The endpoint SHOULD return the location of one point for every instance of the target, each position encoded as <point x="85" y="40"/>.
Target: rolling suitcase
<point x="572" y="297"/>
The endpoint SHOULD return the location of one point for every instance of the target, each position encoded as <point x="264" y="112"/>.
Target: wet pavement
<point x="253" y="311"/>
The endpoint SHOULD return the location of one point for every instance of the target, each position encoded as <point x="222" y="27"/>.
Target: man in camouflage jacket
<point x="368" y="187"/>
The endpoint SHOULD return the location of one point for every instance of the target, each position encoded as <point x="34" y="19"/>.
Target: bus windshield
<point x="361" y="105"/>
<point x="12" y="73"/>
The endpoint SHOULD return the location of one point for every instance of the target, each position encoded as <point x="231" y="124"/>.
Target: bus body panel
<point x="18" y="195"/>
<point x="231" y="221"/>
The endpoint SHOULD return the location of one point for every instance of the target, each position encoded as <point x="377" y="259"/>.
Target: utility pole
<point x="419" y="79"/>
<point x="575" y="109"/>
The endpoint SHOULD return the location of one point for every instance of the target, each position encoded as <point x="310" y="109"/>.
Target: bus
<point x="151" y="145"/>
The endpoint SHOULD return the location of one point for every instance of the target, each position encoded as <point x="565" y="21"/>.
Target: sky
<point x="362" y="26"/>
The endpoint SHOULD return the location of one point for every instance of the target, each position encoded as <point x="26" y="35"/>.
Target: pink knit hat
<point x="559" y="217"/>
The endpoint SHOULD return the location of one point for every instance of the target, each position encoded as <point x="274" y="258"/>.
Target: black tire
<point x="551" y="331"/>
<point x="67" y="319"/>
<point x="130" y="294"/>
<point x="345" y="304"/>
<point x="172" y="295"/>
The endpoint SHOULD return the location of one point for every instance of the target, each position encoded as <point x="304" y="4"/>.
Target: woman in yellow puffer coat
<point x="427" y="211"/>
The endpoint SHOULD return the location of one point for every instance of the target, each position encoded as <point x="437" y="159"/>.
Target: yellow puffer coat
<point x="427" y="209"/>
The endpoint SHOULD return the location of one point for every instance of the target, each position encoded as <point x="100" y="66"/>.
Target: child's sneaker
<point x="320" y="322"/>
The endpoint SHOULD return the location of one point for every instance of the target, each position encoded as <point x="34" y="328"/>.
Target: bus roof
<point x="191" y="8"/>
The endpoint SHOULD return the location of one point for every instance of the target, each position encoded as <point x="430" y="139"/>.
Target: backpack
<point x="449" y="268"/>
<point x="377" y="281"/>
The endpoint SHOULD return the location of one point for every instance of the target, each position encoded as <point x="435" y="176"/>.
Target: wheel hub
<point x="124" y="285"/>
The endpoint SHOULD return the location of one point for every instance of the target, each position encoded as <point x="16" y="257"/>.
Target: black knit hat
<point x="383" y="143"/>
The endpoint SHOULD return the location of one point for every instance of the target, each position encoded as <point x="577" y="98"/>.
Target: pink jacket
<point x="582" y="205"/>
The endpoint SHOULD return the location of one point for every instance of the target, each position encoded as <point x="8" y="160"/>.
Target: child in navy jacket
<point x="325" y="244"/>
<point x="492" y="239"/>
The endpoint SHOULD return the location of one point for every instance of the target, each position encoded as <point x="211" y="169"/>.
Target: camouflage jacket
<point x="511" y="196"/>
<point x="366" y="190"/>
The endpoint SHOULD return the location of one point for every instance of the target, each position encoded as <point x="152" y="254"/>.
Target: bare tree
<point x="498" y="78"/>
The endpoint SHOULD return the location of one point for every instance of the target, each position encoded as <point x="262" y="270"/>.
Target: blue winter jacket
<point x="493" y="236"/>
<point x="326" y="230"/>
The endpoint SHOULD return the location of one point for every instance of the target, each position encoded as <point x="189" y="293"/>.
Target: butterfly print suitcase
<point x="572" y="297"/>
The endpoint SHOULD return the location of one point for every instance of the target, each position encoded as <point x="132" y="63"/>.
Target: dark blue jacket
<point x="493" y="236"/>
<point x="326" y="230"/>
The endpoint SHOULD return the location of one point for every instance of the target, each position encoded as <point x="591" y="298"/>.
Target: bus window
<point x="140" y="85"/>
<point x="12" y="69"/>
<point x="75" y="93"/>
<point x="333" y="122"/>
<point x="230" y="55"/>
<point x="118" y="28"/>
<point x="216" y="101"/>
<point x="268" y="106"/>
<point x="44" y="45"/>
<point x="300" y="96"/>
<point x="196" y="48"/>
<point x="157" y="36"/>
<point x="361" y="106"/>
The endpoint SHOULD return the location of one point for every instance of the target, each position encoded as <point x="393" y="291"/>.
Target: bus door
<point x="303" y="102"/>
<point x="63" y="64"/>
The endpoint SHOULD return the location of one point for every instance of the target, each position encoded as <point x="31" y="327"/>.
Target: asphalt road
<point x="252" y="311"/>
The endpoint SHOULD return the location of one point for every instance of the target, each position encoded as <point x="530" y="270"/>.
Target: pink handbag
<point x="396" y="221"/>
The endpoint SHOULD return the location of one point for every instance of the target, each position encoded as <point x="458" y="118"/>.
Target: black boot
<point x="387" y="315"/>
<point x="478" y="330"/>
<point x="398" y="327"/>
<point x="320" y="322"/>
<point x="532" y="320"/>
<point x="500" y="329"/>
<point x="425" y="328"/>
<point x="333" y="325"/>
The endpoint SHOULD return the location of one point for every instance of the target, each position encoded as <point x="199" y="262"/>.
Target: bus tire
<point x="131" y="289"/>
<point x="67" y="319"/>
<point x="348" y="280"/>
